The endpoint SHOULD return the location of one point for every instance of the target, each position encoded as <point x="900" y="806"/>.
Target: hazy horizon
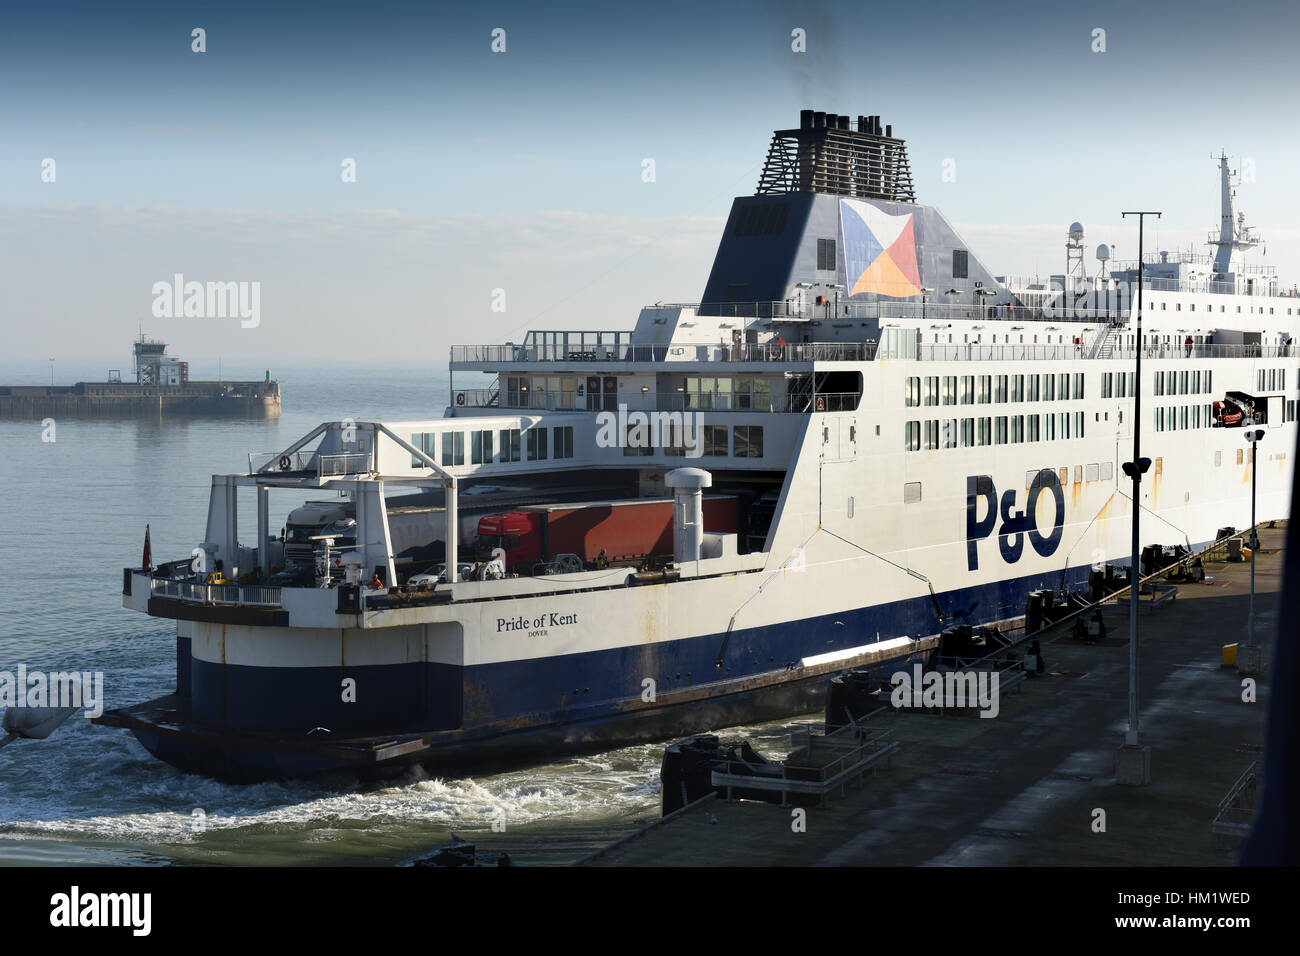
<point x="522" y="170"/>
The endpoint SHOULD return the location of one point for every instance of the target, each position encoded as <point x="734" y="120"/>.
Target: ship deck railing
<point x="300" y="463"/>
<point x="983" y="352"/>
<point x="799" y="403"/>
<point x="192" y="592"/>
<point x="784" y="352"/>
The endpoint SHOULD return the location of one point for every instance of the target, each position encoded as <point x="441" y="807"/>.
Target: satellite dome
<point x="1103" y="252"/>
<point x="1076" y="230"/>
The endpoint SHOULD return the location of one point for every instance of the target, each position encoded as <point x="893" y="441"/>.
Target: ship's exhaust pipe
<point x="688" y="486"/>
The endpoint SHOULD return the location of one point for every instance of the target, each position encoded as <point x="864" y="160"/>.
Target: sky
<point x="516" y="178"/>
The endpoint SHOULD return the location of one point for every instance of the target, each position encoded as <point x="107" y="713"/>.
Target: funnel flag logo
<point x="879" y="251"/>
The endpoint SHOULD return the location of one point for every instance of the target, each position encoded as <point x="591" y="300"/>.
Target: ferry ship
<point x="860" y="436"/>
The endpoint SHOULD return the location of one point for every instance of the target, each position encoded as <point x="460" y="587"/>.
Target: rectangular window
<point x="1159" y="383"/>
<point x="749" y="441"/>
<point x="1017" y="429"/>
<point x="1078" y="424"/>
<point x="562" y="443"/>
<point x="985" y="392"/>
<point x="1049" y="427"/>
<point x="716" y="442"/>
<point x="1196" y="382"/>
<point x="968" y="389"/>
<point x="480" y="447"/>
<point x="1000" y="430"/>
<point x="911" y="437"/>
<point x="1049" y="388"/>
<point x="960" y="264"/>
<point x="931" y="435"/>
<point x="1209" y="387"/>
<point x="1182" y="383"/>
<point x="1017" y="388"/>
<point x="509" y="438"/>
<point x="1078" y="385"/>
<point x="912" y="392"/>
<point x="1063" y="425"/>
<point x="1032" y="394"/>
<point x="985" y="434"/>
<point x="1000" y="389"/>
<point x="537" y="444"/>
<point x="1033" y="428"/>
<point x="967" y="432"/>
<point x="1106" y="383"/>
<point x="950" y="433"/>
<point x="932" y="390"/>
<point x="1063" y="386"/>
<point x="826" y="255"/>
<point x="950" y="389"/>
<point x="453" y="449"/>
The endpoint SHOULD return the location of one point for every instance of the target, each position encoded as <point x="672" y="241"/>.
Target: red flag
<point x="146" y="562"/>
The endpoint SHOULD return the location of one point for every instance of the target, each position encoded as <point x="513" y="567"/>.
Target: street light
<point x="1135" y="469"/>
<point x="1254" y="436"/>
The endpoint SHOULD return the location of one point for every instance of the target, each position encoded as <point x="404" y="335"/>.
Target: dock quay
<point x="1026" y="788"/>
<point x="160" y="385"/>
<point x="256" y="399"/>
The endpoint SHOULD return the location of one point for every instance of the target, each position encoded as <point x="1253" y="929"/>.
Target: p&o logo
<point x="1016" y="525"/>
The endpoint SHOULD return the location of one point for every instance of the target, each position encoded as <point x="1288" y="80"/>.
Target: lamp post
<point x="1254" y="436"/>
<point x="1139" y="772"/>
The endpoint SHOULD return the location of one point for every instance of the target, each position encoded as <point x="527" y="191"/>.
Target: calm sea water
<point x="72" y="515"/>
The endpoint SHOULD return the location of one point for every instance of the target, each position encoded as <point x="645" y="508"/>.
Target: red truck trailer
<point x="627" y="530"/>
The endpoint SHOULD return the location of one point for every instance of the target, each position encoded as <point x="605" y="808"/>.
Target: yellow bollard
<point x="1229" y="655"/>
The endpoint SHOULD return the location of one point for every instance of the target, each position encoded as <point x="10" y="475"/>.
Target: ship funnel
<point x="688" y="486"/>
<point x="829" y="153"/>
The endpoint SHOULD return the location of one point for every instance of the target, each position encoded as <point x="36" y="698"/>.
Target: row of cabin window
<point x="1272" y="379"/>
<point x="449" y="450"/>
<point x="677" y="441"/>
<point x="1117" y="384"/>
<point x="1096" y="471"/>
<point x="1182" y="382"/>
<point x="1176" y="418"/>
<point x="998" y="430"/>
<point x="997" y="389"/>
<point x="1178" y="307"/>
